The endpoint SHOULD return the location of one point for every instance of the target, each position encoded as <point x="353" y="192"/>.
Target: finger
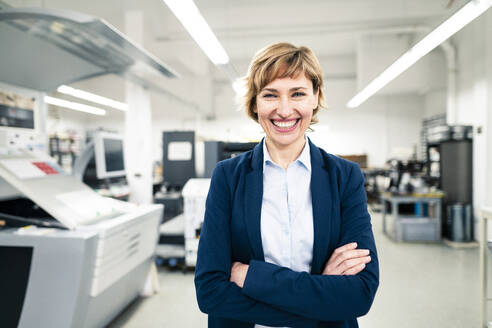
<point x="234" y="270"/>
<point x="340" y="250"/>
<point x="333" y="271"/>
<point x="346" y="265"/>
<point x="350" y="254"/>
<point x="354" y="270"/>
<point x="345" y="247"/>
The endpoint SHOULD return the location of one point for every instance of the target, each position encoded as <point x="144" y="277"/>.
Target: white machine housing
<point x="195" y="193"/>
<point x="85" y="275"/>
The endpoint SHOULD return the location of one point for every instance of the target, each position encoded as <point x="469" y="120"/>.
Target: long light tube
<point x="73" y="105"/>
<point x="92" y="97"/>
<point x="461" y="18"/>
<point x="188" y="14"/>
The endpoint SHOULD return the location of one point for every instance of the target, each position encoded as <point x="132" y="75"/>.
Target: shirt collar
<point x="304" y="158"/>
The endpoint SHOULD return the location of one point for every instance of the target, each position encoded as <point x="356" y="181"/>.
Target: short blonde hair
<point x="281" y="60"/>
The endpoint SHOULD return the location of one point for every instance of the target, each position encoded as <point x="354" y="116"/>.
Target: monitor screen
<point x="113" y="155"/>
<point x="109" y="155"/>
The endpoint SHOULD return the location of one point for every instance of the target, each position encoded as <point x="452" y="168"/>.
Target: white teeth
<point x="288" y="124"/>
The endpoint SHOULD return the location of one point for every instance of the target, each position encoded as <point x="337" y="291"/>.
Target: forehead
<point x="289" y="82"/>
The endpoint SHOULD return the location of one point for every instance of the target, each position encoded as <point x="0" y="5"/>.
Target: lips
<point x="285" y="125"/>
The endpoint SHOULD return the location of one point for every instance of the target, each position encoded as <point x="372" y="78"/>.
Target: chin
<point x="285" y="140"/>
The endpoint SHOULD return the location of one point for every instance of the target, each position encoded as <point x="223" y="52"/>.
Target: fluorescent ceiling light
<point x="73" y="105"/>
<point x="188" y="14"/>
<point x="92" y="97"/>
<point x="461" y="18"/>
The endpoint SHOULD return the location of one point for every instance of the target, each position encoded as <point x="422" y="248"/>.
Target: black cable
<point x="40" y="222"/>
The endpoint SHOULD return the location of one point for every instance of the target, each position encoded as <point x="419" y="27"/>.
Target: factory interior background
<point x="115" y="100"/>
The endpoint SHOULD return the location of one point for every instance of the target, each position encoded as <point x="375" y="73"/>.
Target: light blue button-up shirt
<point x="287" y="231"/>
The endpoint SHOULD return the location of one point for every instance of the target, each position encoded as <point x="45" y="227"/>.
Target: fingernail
<point x="354" y="244"/>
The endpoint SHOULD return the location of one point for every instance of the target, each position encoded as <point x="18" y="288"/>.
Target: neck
<point x="283" y="155"/>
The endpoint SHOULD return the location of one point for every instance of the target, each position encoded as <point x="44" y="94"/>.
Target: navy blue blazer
<point x="273" y="295"/>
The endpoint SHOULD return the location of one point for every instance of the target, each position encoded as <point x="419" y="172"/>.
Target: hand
<point x="238" y="273"/>
<point x="347" y="260"/>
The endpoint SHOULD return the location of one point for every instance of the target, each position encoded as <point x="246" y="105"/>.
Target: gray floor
<point x="422" y="285"/>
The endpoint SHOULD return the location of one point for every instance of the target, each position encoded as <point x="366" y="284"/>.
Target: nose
<point x="284" y="109"/>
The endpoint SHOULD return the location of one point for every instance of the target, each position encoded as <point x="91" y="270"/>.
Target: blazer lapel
<point x="253" y="199"/>
<point x="322" y="205"/>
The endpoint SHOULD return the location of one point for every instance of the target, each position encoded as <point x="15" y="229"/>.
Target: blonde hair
<point x="281" y="60"/>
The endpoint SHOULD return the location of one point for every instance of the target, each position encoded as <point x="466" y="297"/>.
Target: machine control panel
<point x="27" y="169"/>
<point x="46" y="167"/>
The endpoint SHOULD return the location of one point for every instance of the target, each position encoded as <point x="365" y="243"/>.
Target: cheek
<point x="264" y="109"/>
<point x="305" y="108"/>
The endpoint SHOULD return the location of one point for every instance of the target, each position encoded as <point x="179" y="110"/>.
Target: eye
<point x="268" y="95"/>
<point x="298" y="94"/>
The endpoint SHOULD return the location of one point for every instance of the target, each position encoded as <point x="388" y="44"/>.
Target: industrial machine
<point x="216" y="151"/>
<point x="450" y="163"/>
<point x="178" y="161"/>
<point x="69" y="256"/>
<point x="178" y="158"/>
<point x="87" y="258"/>
<point x="406" y="176"/>
<point x="195" y="194"/>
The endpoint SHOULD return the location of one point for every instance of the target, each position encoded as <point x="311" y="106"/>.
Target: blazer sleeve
<point x="216" y="295"/>
<point x="324" y="297"/>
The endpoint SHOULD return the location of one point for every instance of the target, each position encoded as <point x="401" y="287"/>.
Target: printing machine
<point x="87" y="259"/>
<point x="82" y="258"/>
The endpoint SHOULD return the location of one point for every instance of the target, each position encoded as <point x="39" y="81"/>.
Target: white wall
<point x="376" y="52"/>
<point x="62" y="120"/>
<point x="435" y="102"/>
<point x="381" y="127"/>
<point x="474" y="45"/>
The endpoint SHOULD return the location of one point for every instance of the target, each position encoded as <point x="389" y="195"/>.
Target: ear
<point x="316" y="97"/>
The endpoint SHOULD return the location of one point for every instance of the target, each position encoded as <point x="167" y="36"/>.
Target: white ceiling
<point x="330" y="27"/>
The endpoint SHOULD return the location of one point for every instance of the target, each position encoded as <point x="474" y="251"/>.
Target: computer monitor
<point x="108" y="148"/>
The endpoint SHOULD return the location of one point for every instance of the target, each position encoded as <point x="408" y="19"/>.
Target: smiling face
<point x="285" y="108"/>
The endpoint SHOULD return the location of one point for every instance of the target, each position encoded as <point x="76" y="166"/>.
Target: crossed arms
<point x="277" y="296"/>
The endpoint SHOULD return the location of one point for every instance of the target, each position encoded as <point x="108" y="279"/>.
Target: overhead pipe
<point x="451" y="101"/>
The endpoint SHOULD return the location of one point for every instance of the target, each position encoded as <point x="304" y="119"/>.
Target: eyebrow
<point x="292" y="89"/>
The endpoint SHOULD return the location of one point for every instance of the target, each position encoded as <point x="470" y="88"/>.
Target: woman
<point x="287" y="239"/>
